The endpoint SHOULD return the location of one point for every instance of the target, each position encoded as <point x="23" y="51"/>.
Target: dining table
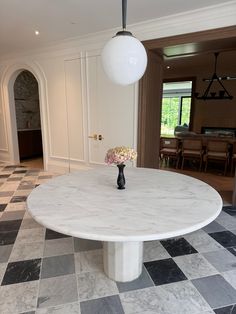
<point x="155" y="205"/>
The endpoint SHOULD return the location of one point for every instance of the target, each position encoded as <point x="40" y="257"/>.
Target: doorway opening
<point x="28" y="122"/>
<point x="176" y="107"/>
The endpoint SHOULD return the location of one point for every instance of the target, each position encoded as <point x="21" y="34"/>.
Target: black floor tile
<point x="19" y="171"/>
<point x="18" y="199"/>
<point x="2" y="207"/>
<point x="225" y="238"/>
<point x="8" y="237"/>
<point x="232" y="250"/>
<point x="231" y="210"/>
<point x="4" y="176"/>
<point x="51" y="235"/>
<point x="22" y="271"/>
<point x="10" y="167"/>
<point x="164" y="271"/>
<point x="10" y="225"/>
<point x="177" y="247"/>
<point x="226" y="310"/>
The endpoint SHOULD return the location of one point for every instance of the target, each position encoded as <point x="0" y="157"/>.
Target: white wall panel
<point x="57" y="114"/>
<point x="111" y="111"/>
<point x="75" y="112"/>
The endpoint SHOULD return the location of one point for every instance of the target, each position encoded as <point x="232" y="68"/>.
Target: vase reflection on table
<point x="118" y="156"/>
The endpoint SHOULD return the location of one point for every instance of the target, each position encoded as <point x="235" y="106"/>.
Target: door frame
<point x="145" y="105"/>
<point x="7" y="86"/>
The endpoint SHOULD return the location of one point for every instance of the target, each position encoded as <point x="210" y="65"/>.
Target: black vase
<point x="121" y="177"/>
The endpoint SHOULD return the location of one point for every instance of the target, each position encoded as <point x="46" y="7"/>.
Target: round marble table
<point x="155" y="205"/>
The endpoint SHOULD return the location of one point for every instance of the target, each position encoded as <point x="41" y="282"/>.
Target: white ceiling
<point x="60" y="19"/>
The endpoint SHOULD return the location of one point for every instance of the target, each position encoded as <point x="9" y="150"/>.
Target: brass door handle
<point x="100" y="137"/>
<point x="94" y="136"/>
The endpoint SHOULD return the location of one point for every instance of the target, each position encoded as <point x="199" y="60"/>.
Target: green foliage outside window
<point x="172" y="115"/>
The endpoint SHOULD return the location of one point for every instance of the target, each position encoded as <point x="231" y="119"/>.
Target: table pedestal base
<point x="123" y="260"/>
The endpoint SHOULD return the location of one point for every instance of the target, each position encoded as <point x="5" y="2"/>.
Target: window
<point x="176" y="106"/>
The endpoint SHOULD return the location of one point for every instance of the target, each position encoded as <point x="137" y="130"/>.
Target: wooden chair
<point x="169" y="148"/>
<point x="192" y="149"/>
<point x="233" y="157"/>
<point x="217" y="150"/>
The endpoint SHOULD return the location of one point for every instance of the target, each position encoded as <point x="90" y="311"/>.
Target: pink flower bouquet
<point x="119" y="155"/>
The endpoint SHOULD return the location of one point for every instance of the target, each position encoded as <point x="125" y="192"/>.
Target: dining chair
<point x="192" y="149"/>
<point x="217" y="150"/>
<point x="169" y="148"/>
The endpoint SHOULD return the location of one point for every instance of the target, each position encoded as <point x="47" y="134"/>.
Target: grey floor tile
<point x="89" y="261"/>
<point x="58" y="266"/>
<point x="214" y="227"/>
<point x="222" y="260"/>
<point x="108" y="305"/>
<point x="143" y="301"/>
<point x="216" y="290"/>
<point x="195" y="266"/>
<point x="144" y="281"/>
<point x="72" y="308"/>
<point x="58" y="247"/>
<point x="153" y="251"/>
<point x="95" y="285"/>
<point x="5" y="252"/>
<point x="6" y="193"/>
<point x="3" y="267"/>
<point x="22" y="252"/>
<point x="29" y="223"/>
<point x="18" y="298"/>
<point x="177" y="298"/>
<point x="202" y="242"/>
<point x="230" y="276"/>
<point x="30" y="235"/>
<point x="57" y="290"/>
<point x="181" y="298"/>
<point x="13" y="215"/>
<point x="226" y="220"/>
<point x="86" y="245"/>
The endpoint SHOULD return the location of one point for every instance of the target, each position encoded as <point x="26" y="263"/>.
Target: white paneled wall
<point x="111" y="111"/>
<point x="75" y="110"/>
<point x="96" y="106"/>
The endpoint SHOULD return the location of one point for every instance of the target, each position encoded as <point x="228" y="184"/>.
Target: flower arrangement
<point x="119" y="155"/>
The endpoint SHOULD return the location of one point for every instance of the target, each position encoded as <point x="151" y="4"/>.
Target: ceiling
<point x="61" y="19"/>
<point x="196" y="48"/>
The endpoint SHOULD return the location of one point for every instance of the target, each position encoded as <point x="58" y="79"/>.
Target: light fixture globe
<point x="124" y="59"/>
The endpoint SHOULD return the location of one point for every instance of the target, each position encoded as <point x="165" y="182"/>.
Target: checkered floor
<point x="42" y="271"/>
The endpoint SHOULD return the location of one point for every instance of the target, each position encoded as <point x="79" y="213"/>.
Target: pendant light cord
<point x="124" y="13"/>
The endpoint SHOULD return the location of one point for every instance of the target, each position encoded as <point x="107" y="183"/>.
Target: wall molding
<point x="211" y="17"/>
<point x="7" y="81"/>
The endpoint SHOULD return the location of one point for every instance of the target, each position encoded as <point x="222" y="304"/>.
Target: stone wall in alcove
<point x="27" y="101"/>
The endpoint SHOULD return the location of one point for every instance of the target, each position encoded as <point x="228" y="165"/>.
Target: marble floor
<point x="42" y="271"/>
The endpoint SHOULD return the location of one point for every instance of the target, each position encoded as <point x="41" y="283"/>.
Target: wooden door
<point x="149" y="122"/>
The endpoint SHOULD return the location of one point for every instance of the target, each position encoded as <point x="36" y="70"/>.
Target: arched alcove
<point x="28" y="122"/>
<point x="7" y="84"/>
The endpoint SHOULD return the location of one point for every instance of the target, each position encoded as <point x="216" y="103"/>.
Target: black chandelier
<point x="223" y="93"/>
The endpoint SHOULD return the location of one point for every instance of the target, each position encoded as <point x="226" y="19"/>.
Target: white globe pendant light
<point x="124" y="58"/>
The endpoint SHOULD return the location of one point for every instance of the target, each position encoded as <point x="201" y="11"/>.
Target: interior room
<point x="117" y="162"/>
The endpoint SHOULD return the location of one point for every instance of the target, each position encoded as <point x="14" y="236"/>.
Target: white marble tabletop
<point x="156" y="204"/>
